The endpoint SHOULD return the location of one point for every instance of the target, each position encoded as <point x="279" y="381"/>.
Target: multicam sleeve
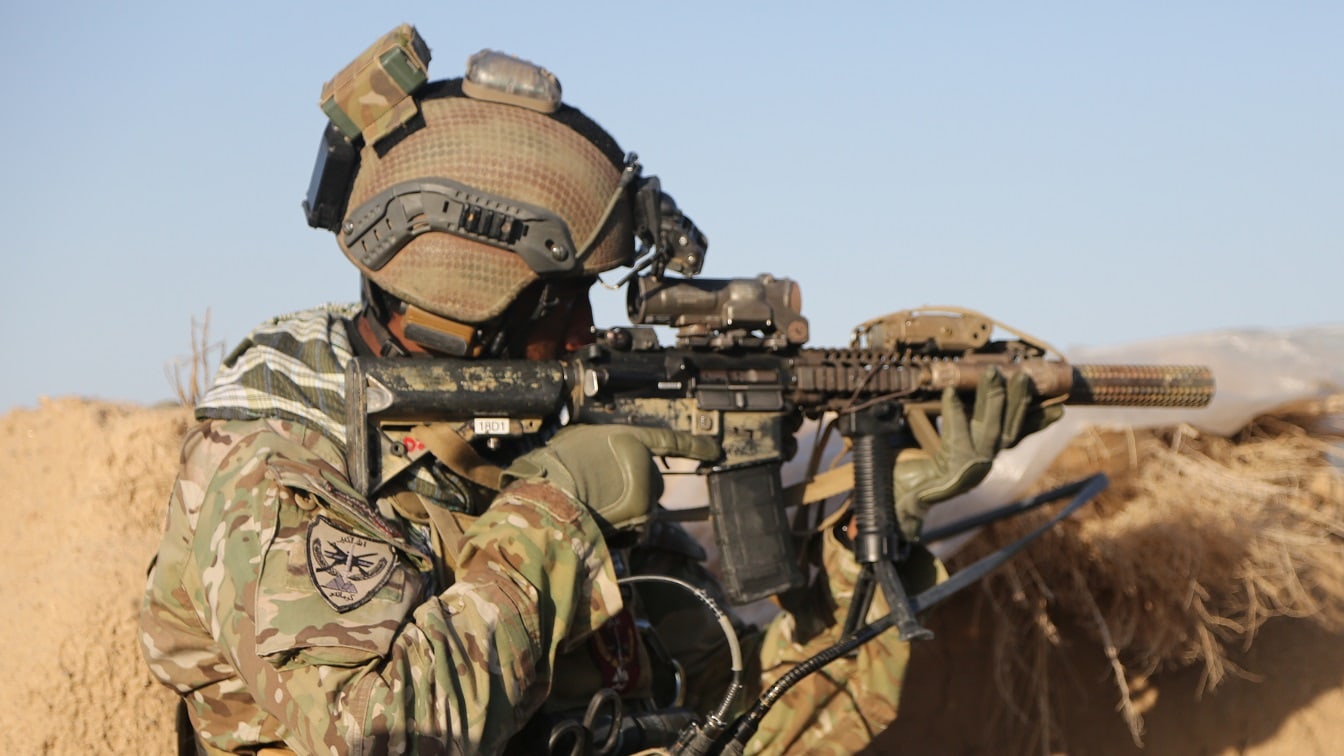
<point x="842" y="707"/>
<point x="534" y="575"/>
<point x="391" y="671"/>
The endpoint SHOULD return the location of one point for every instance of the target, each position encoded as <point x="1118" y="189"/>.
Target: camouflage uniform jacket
<point x="287" y="609"/>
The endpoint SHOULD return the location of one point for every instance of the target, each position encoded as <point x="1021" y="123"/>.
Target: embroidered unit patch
<point x="346" y="568"/>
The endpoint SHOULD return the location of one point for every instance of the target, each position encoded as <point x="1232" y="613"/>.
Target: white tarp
<point x="1254" y="372"/>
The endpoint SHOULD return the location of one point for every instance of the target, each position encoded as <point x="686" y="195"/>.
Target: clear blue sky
<point x="1094" y="173"/>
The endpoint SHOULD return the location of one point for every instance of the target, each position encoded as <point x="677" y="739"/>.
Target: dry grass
<point x="189" y="376"/>
<point x="1198" y="541"/>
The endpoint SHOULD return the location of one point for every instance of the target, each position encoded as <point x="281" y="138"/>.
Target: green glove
<point x="610" y="468"/>
<point x="1004" y="413"/>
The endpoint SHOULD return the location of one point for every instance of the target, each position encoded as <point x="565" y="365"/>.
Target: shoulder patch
<point x="346" y="568"/>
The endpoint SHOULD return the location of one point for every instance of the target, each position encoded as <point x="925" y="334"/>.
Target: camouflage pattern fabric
<point x="836" y="710"/>
<point x="371" y="96"/>
<point x="240" y="617"/>
<point x="290" y="367"/>
<point x="842" y="707"/>
<point x="288" y="610"/>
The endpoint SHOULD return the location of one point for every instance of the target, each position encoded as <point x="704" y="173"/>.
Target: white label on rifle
<point x="491" y="426"/>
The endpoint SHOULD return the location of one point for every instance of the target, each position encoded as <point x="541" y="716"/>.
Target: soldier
<point x="466" y="600"/>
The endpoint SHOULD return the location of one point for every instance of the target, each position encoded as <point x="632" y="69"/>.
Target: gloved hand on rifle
<point x="1002" y="416"/>
<point x="610" y="468"/>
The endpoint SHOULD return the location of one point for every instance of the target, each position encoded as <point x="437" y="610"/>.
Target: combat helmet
<point x="454" y="196"/>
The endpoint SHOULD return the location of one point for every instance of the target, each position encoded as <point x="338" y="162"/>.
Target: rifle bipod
<point x="879" y="547"/>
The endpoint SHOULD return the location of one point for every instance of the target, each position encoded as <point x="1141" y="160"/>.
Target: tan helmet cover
<point x="508" y="151"/>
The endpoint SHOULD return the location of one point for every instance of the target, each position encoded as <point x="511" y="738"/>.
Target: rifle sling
<point x="821" y="486"/>
<point x="457" y="455"/>
<point x="447" y="526"/>
<point x="824" y="485"/>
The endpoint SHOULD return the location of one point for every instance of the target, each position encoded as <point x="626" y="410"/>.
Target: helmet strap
<point x="374" y="338"/>
<point x="371" y="323"/>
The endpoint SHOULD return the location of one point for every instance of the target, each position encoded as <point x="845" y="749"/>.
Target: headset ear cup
<point x="333" y="174"/>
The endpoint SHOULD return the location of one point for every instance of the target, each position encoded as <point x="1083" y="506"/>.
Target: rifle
<point x="740" y="372"/>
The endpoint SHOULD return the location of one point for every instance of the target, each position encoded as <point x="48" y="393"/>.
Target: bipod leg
<point x="883" y="572"/>
<point x="878" y="544"/>
<point x="859" y="602"/>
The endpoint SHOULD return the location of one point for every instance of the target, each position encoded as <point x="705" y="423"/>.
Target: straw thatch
<point x="1196" y="543"/>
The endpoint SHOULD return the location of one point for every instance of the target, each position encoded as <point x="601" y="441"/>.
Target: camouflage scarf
<point x="291" y="367"/>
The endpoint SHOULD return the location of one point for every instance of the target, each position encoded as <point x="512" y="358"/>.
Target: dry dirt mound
<point x="85" y="485"/>
<point x="84" y="489"/>
<point x="1197" y="606"/>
